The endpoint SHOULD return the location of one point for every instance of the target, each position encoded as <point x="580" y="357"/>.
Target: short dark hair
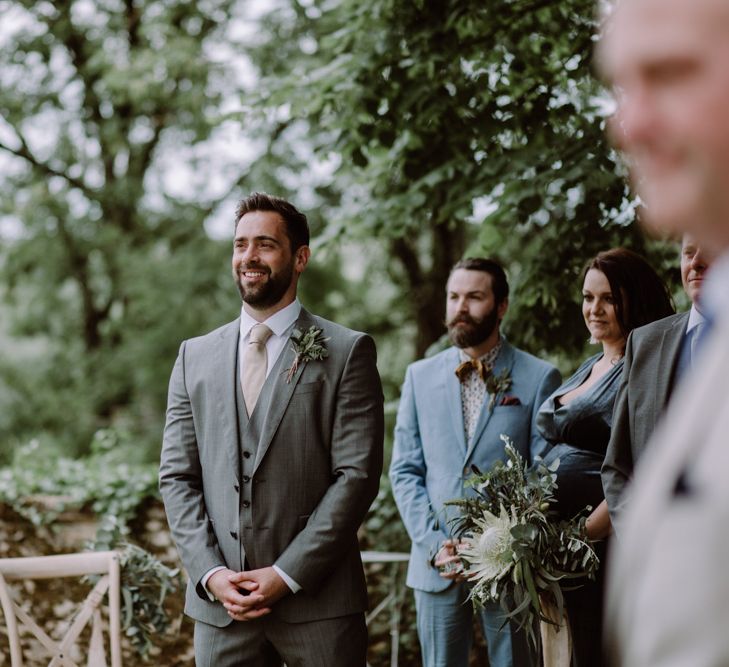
<point x="297" y="228"/>
<point x="499" y="284"/>
<point x="639" y="293"/>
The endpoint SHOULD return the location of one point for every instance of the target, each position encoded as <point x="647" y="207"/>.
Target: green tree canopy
<point x="412" y="133"/>
<point x="111" y="266"/>
<point x="462" y="127"/>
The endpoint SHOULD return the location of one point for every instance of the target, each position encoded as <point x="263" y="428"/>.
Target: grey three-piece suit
<point x="289" y="486"/>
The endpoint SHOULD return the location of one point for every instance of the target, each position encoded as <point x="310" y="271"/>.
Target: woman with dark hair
<point x="620" y="292"/>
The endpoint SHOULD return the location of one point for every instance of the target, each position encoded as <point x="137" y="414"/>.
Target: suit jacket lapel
<point x="281" y="390"/>
<point x="504" y="362"/>
<point x="453" y="394"/>
<point x="224" y="365"/>
<point x="668" y="355"/>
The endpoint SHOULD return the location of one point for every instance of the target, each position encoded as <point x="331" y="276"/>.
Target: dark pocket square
<point x="510" y="400"/>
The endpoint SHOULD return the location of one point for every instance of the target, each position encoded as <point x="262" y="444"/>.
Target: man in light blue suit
<point x="453" y="410"/>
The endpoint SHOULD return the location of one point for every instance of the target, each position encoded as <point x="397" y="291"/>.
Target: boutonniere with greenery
<point x="307" y="346"/>
<point x="496" y="385"/>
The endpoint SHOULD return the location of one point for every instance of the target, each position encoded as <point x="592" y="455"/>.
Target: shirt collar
<point x="489" y="358"/>
<point x="279" y="322"/>
<point x="695" y="318"/>
<point x="714" y="295"/>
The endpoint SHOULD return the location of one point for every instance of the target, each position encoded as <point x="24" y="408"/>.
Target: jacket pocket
<point x="307" y="387"/>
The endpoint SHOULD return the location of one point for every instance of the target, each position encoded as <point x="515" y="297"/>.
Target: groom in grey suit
<point x="453" y="410"/>
<point x="656" y="356"/>
<point x="272" y="454"/>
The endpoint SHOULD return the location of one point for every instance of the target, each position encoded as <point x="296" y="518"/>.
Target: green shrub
<point x="112" y="487"/>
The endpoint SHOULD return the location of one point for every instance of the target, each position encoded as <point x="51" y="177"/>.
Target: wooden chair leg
<point x="16" y="655"/>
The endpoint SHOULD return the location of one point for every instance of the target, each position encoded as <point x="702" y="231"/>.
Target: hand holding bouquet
<point x="516" y="550"/>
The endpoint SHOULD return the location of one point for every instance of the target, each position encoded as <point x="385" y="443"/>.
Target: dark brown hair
<point x="499" y="284"/>
<point x="639" y="293"/>
<point x="297" y="228"/>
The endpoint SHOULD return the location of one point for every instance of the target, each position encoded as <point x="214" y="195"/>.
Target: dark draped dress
<point x="578" y="434"/>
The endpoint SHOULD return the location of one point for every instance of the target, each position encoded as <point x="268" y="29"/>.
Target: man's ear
<point x="302" y="258"/>
<point x="503" y="307"/>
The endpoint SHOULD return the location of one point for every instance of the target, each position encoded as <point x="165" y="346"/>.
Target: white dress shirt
<point x="695" y="318"/>
<point x="281" y="323"/>
<point x="714" y="294"/>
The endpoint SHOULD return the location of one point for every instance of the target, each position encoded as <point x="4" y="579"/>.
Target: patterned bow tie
<point x="464" y="369"/>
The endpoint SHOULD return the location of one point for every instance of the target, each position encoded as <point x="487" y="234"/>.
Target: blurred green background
<point x="411" y="133"/>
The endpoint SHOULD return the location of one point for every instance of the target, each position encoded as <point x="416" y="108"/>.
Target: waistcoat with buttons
<point x="249" y="434"/>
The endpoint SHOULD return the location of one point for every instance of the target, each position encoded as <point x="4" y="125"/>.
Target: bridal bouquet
<point x="515" y="550"/>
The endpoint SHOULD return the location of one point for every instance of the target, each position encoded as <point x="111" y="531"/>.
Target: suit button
<point x="246" y="503"/>
<point x="247" y="454"/>
<point x="246" y="479"/>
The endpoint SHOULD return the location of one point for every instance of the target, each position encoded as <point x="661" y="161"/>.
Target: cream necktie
<point x="255" y="363"/>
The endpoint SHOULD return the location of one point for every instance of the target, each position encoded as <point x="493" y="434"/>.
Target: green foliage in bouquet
<point x="519" y="553"/>
<point x="146" y="584"/>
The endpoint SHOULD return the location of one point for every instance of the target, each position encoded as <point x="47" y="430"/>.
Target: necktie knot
<point x="469" y="366"/>
<point x="260" y="333"/>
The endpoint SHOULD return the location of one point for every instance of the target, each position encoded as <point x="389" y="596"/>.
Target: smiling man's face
<point x="694" y="264"/>
<point x="264" y="268"/>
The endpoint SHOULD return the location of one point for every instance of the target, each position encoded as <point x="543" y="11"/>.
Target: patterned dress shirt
<point x="473" y="390"/>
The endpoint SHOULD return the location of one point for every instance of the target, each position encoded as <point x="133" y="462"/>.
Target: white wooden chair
<point x="105" y="563"/>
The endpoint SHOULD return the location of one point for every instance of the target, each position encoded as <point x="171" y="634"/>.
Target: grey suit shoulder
<point x="341" y="338"/>
<point x="654" y="331"/>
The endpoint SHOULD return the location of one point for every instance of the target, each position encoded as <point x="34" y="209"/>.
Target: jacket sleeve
<point x="181" y="485"/>
<point x="617" y="468"/>
<point x="356" y="466"/>
<point x="407" y="474"/>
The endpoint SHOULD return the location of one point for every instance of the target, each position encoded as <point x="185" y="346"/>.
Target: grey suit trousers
<point x="332" y="642"/>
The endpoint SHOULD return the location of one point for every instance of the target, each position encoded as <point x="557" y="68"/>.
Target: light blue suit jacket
<point x="431" y="459"/>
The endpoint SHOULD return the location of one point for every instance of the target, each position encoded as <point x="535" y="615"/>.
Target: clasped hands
<point x="449" y="562"/>
<point x="249" y="594"/>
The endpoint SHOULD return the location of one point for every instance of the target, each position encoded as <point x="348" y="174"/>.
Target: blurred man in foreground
<point x="668" y="61"/>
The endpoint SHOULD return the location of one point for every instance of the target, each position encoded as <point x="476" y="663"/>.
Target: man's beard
<point x="475" y="332"/>
<point x="268" y="293"/>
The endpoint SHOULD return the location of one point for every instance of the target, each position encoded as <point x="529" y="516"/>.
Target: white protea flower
<point x="489" y="552"/>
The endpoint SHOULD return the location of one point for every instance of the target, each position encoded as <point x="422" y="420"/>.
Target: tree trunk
<point x="426" y="286"/>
